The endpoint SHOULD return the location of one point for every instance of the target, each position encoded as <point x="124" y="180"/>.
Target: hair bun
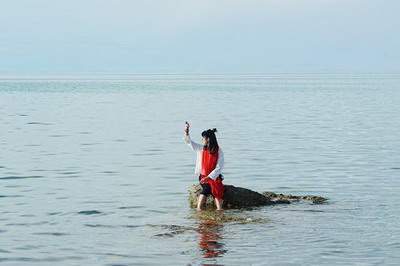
<point x="214" y="130"/>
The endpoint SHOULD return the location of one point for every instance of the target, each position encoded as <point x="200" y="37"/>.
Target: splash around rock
<point x="238" y="197"/>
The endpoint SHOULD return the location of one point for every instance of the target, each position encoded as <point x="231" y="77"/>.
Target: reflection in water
<point x="210" y="236"/>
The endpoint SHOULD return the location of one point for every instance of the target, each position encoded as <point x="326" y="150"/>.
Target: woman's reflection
<point x="210" y="236"/>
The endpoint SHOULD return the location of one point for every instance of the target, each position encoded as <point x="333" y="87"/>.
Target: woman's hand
<point x="204" y="180"/>
<point x="187" y="126"/>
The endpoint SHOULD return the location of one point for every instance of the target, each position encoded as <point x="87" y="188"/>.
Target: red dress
<point x="208" y="163"/>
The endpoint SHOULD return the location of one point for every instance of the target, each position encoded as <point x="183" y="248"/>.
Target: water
<point x="95" y="171"/>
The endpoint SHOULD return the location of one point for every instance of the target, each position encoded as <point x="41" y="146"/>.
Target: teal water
<point x="95" y="171"/>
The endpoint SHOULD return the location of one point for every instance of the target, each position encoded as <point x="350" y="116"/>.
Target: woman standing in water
<point x="209" y="165"/>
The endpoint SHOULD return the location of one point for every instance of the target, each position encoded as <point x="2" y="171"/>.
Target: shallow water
<point x="95" y="172"/>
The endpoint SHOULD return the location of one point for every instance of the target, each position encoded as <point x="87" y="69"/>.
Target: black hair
<point x="212" y="140"/>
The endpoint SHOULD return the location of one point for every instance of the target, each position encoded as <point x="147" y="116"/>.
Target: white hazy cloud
<point x="43" y="36"/>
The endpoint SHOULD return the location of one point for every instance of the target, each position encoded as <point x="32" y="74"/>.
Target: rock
<point x="238" y="197"/>
<point x="292" y="198"/>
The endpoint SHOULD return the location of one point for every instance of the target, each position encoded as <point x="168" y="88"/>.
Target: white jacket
<point x="198" y="148"/>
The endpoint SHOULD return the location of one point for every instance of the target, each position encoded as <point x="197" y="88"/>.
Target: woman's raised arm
<point x="195" y="146"/>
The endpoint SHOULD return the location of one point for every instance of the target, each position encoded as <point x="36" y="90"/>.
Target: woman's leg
<point x="206" y="190"/>
<point x="218" y="203"/>
<point x="200" y="201"/>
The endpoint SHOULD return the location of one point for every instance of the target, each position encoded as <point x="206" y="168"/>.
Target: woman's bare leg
<point x="200" y="201"/>
<point x="218" y="203"/>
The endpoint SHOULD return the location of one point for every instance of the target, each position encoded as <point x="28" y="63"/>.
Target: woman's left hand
<point x="204" y="180"/>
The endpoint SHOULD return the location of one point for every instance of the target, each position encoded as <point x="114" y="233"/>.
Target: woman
<point x="209" y="165"/>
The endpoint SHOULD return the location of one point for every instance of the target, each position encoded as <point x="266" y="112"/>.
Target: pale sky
<point x="204" y="36"/>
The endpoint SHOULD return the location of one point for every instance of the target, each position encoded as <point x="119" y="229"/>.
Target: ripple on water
<point x="28" y="247"/>
<point x="154" y="150"/>
<point x="90" y="212"/>
<point x="306" y="210"/>
<point x="27" y="224"/>
<point x="126" y="185"/>
<point x="131" y="207"/>
<point x="84" y="133"/>
<point x="10" y="196"/>
<point x="120" y="140"/>
<point x="109" y="172"/>
<point x="100" y="225"/>
<point x="144" y="154"/>
<point x="157" y="211"/>
<point x="136" y="166"/>
<point x="57" y="136"/>
<point x="158" y="168"/>
<point x="112" y="226"/>
<point x="89" y="144"/>
<point x="70" y="173"/>
<point x="20" y="177"/>
<point x="27" y="215"/>
<point x="51" y="233"/>
<point x="131" y="226"/>
<point x="53" y="213"/>
<point x="45" y="259"/>
<point x="39" y="123"/>
<point x="117" y="255"/>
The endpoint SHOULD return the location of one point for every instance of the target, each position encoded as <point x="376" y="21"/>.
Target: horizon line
<point x="123" y="76"/>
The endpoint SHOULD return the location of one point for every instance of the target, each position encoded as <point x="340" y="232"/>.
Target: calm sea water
<point x="95" y="172"/>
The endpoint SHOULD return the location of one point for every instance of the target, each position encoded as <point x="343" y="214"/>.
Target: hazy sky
<point x="204" y="36"/>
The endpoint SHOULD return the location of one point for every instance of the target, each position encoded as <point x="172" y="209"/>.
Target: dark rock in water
<point x="237" y="197"/>
<point x="292" y="198"/>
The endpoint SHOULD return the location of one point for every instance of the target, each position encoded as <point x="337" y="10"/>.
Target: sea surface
<point x="94" y="170"/>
